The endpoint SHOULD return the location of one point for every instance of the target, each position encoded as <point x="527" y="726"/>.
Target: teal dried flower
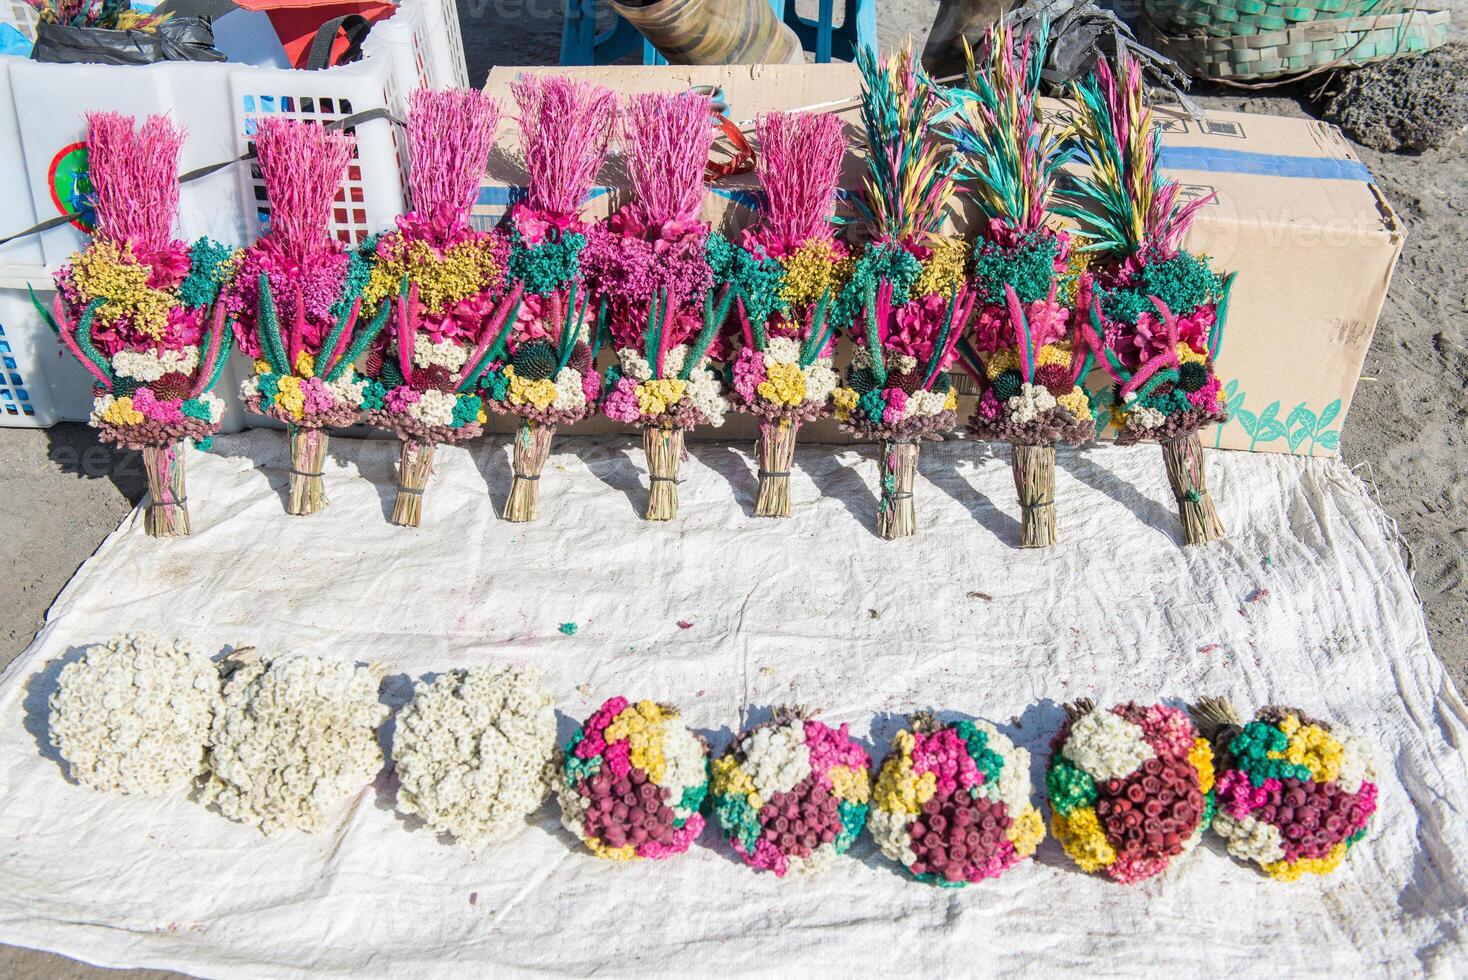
<point x="547" y="267"/>
<point x="207" y="267"/>
<point x="872" y="405"/>
<point x="1029" y="268"/>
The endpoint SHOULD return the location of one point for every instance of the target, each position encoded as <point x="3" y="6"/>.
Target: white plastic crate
<point x="219" y="107"/>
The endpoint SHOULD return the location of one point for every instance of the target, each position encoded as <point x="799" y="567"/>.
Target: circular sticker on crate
<point x="71" y="185"/>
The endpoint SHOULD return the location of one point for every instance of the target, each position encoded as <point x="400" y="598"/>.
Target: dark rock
<point x="1410" y="104"/>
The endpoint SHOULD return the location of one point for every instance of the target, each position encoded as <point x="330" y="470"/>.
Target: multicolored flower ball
<point x="1131" y="788"/>
<point x="952" y="802"/>
<point x="1294" y="793"/>
<point x="791" y="794"/>
<point x="632" y="780"/>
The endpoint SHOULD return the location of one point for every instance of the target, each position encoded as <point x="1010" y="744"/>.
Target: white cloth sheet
<point x="727" y="615"/>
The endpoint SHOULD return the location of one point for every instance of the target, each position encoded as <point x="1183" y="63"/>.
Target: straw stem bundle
<point x="532" y="447"/>
<point x="415" y="464"/>
<point x="1185" y="471"/>
<point x="167" y="513"/>
<point x="308" y="456"/>
<point x="776" y="453"/>
<point x="664" y="448"/>
<point x="896" y="517"/>
<point x="1034" y="478"/>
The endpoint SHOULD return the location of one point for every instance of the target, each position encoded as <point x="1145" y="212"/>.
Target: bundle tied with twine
<point x="302" y="165"/>
<point x="566" y="128"/>
<point x="1131" y="215"/>
<point x="667" y="138"/>
<point x="134" y="177"/>
<point x="799" y="167"/>
<point x="450" y="136"/>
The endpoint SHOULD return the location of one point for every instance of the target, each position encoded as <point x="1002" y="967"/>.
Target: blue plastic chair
<point x="582" y="45"/>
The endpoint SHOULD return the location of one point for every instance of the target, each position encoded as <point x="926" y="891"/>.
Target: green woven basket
<point x="1237" y="18"/>
<point x="1317" y="44"/>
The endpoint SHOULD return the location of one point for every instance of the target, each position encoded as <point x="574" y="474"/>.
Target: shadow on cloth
<point x="1095" y="476"/>
<point x="956" y="484"/>
<point x="618" y="470"/>
<point x="38" y="690"/>
<point x="843" y="481"/>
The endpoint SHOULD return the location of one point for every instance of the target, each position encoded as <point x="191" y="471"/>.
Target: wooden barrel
<point x="713" y="32"/>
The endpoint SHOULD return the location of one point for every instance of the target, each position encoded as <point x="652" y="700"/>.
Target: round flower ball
<point x="473" y="752"/>
<point x="295" y="737"/>
<point x="133" y="715"/>
<point x="1294" y="793"/>
<point x="1131" y="788"/>
<point x="791" y="794"/>
<point x="952" y="802"/>
<point x="631" y="781"/>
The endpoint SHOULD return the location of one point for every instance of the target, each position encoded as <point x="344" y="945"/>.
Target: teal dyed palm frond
<point x="1123" y="205"/>
<point x="1008" y="151"/>
<point x="910" y="172"/>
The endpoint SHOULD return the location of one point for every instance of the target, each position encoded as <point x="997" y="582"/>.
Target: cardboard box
<point x="1296" y="214"/>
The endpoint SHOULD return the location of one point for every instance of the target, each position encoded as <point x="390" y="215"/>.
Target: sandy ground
<point x="1408" y="430"/>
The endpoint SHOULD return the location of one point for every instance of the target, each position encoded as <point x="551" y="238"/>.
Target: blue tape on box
<point x="1262" y="164"/>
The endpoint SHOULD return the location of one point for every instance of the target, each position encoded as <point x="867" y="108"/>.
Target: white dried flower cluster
<point x="473" y="752"/>
<point x="148" y="366"/>
<point x="133" y="715"/>
<point x="707" y="395"/>
<point x="820" y="381"/>
<point x="902" y="363"/>
<point x="445" y="354"/>
<point x="215" y="405"/>
<point x="1357" y="765"/>
<point x="781" y="350"/>
<point x="1250" y="839"/>
<point x="635" y="366"/>
<point x="349" y="389"/>
<point x="1146" y="416"/>
<point x="1105" y="745"/>
<point x="922" y="403"/>
<point x="1030" y="402"/>
<point x="249" y="388"/>
<point x="776" y="758"/>
<point x="434" y="407"/>
<point x="570" y="395"/>
<point x="296" y="736"/>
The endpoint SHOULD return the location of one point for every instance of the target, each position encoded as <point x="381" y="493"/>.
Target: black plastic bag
<point x="176" y="39"/>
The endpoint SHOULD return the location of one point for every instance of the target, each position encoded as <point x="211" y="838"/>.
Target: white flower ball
<point x="295" y="737"/>
<point x="473" y="752"/>
<point x="133" y="715"/>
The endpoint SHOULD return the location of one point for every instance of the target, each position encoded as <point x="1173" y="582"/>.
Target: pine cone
<point x="373" y="367"/>
<point x="1193" y="376"/>
<point x="581" y="358"/>
<point x="434" y="378"/>
<point x="942" y="383"/>
<point x="535" y="360"/>
<point x="861" y="380"/>
<point x="908" y="381"/>
<point x="172" y="385"/>
<point x="1007" y="385"/>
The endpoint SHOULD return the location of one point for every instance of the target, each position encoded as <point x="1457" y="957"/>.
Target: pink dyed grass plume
<point x="450" y="135"/>
<point x="134" y="175"/>
<point x="799" y="167"/>
<point x="303" y="164"/>
<point x="667" y="138"/>
<point x="565" y="131"/>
